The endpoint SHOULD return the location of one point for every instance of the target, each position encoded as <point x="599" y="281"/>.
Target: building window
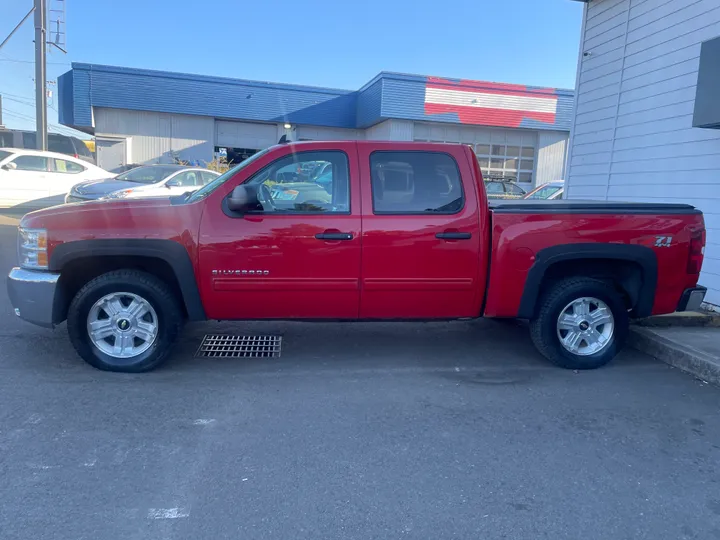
<point x="507" y="161"/>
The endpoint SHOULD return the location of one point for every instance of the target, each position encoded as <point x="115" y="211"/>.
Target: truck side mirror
<point x="244" y="199"/>
<point x="10" y="166"/>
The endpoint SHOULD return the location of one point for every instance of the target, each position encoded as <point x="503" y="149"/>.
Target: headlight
<point x="118" y="194"/>
<point x="32" y="248"/>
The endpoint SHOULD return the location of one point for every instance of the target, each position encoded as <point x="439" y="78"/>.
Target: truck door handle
<point x="333" y="235"/>
<point x="448" y="235"/>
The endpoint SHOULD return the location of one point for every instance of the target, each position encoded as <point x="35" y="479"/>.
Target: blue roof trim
<point x="387" y="95"/>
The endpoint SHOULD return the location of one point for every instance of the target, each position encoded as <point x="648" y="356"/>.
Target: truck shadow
<point x="502" y="349"/>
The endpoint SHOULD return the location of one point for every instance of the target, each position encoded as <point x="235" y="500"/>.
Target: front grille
<point x="229" y="346"/>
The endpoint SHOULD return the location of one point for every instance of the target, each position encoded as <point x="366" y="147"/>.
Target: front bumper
<point x="32" y="294"/>
<point x="692" y="299"/>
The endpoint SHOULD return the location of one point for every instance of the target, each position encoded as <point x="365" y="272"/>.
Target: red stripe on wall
<point x="489" y="117"/>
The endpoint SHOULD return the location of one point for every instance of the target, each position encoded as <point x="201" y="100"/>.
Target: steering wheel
<point x="265" y="197"/>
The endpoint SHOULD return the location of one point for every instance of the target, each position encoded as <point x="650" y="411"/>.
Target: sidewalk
<point x="690" y="342"/>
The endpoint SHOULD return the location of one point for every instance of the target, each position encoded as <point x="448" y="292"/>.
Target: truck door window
<point x="415" y="183"/>
<point x="305" y="182"/>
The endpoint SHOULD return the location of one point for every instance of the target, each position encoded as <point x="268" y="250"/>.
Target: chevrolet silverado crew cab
<point x="352" y="231"/>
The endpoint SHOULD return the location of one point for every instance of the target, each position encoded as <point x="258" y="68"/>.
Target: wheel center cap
<point x="123" y="324"/>
<point x="584" y="325"/>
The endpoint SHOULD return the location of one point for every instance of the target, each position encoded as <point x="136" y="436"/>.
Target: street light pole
<point x="40" y="76"/>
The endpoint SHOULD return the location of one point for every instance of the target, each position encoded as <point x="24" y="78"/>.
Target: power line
<point x="62" y="130"/>
<point x="32" y="62"/>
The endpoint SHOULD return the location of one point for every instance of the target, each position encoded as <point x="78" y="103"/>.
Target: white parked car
<point x="31" y="179"/>
<point x="144" y="181"/>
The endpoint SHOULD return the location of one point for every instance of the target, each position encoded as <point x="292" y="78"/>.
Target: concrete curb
<point x="685" y="318"/>
<point x="693" y="361"/>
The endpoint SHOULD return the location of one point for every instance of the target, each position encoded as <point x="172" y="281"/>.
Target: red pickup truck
<point x="358" y="230"/>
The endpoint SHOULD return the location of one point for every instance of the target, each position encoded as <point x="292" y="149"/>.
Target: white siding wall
<point x="319" y="133"/>
<point x="633" y="137"/>
<point x="552" y="147"/>
<point x="245" y="134"/>
<point x="391" y="130"/>
<point x="155" y="136"/>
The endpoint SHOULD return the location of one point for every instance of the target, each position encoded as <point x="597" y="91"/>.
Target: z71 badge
<point x="663" y="241"/>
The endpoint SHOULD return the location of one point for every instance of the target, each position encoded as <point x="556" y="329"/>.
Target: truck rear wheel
<point x="124" y="321"/>
<point x="582" y="323"/>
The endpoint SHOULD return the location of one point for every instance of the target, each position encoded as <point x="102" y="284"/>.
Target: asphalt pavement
<point x="364" y="431"/>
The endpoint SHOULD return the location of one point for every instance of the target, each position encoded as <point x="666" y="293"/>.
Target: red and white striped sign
<point x="490" y="104"/>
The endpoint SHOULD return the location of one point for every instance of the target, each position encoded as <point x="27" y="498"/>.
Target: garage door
<point x="501" y="152"/>
<point x="245" y="135"/>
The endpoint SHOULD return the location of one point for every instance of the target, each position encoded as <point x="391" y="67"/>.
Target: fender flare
<point x="545" y="258"/>
<point x="173" y="253"/>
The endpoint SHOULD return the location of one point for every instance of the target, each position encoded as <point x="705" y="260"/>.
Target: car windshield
<point x="147" y="175"/>
<point x="4" y="154"/>
<point x="544" y="192"/>
<point x="207" y="189"/>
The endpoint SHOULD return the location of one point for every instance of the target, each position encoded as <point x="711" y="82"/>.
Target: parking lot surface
<point x="365" y="431"/>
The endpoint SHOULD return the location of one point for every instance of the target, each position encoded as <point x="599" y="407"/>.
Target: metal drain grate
<point x="226" y="346"/>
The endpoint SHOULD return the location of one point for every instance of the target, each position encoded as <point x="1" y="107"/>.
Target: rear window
<point x="6" y="139"/>
<point x="81" y="149"/>
<point x="60" y="144"/>
<point x="29" y="140"/>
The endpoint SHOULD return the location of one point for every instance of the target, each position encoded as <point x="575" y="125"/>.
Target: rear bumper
<point x="691" y="299"/>
<point x="32" y="294"/>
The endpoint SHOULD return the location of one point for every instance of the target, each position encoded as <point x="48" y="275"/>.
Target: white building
<point x="648" y="108"/>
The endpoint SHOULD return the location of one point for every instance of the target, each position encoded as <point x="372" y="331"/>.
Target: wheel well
<point x="77" y="272"/>
<point x="625" y="276"/>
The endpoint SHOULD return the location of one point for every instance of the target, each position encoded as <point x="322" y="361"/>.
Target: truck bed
<point x="564" y="206"/>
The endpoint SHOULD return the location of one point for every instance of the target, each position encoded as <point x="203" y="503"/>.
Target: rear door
<point x="421" y="234"/>
<point x="63" y="175"/>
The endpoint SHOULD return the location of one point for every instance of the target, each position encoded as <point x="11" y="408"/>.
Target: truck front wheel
<point x="125" y="321"/>
<point x="581" y="323"/>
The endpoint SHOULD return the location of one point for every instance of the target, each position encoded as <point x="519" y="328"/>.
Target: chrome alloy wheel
<point x="122" y="325"/>
<point x="585" y="326"/>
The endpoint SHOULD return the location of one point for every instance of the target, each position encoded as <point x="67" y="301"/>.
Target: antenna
<point x="57" y="35"/>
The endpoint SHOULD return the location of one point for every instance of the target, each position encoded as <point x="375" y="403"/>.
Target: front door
<point x="25" y="182"/>
<point x="298" y="255"/>
<point x="180" y="183"/>
<point x="421" y="235"/>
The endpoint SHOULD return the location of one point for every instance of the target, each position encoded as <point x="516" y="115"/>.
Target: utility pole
<point x="40" y="76"/>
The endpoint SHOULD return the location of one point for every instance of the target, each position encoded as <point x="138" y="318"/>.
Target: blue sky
<point x="331" y="43"/>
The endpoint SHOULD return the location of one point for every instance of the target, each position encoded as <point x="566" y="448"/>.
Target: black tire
<point x="543" y="328"/>
<point x="151" y="289"/>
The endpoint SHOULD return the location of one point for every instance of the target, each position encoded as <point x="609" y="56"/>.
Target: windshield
<point x="4" y="154"/>
<point x="220" y="180"/>
<point x="147" y="175"/>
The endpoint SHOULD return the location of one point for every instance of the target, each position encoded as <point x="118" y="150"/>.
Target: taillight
<point x="697" y="250"/>
<point x="77" y="156"/>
